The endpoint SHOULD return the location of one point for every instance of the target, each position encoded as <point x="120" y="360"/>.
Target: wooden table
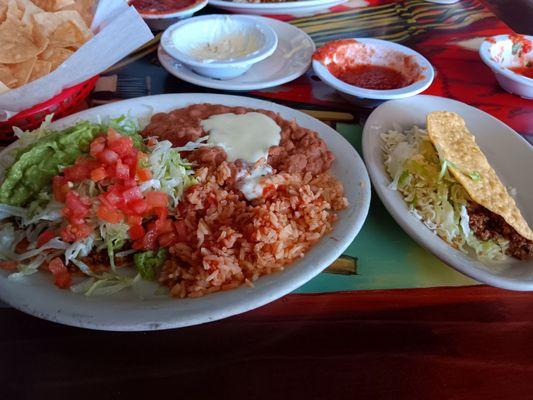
<point x="438" y="343"/>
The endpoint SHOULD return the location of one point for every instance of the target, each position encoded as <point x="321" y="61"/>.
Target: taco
<point x="448" y="183"/>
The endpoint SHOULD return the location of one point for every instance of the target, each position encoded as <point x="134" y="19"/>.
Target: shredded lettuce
<point x="170" y="173"/>
<point x="114" y="237"/>
<point x="106" y="283"/>
<point x="432" y="193"/>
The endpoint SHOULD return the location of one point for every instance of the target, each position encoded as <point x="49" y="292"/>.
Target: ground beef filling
<point x="300" y="149"/>
<point x="488" y="225"/>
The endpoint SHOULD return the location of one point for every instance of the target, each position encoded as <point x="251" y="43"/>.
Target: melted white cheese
<point x="251" y="185"/>
<point x="244" y="137"/>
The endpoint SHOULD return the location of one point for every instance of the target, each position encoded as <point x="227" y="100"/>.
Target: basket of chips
<point x="51" y="52"/>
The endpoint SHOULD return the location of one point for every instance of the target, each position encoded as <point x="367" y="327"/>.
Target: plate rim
<point x="276" y="6"/>
<point x="416" y="229"/>
<point x="357" y="214"/>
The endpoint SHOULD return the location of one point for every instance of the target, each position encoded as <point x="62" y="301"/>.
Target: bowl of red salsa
<point x="160" y="14"/>
<point x="369" y="71"/>
<point x="510" y="57"/>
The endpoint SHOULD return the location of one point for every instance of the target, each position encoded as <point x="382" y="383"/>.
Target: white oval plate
<point x="290" y="61"/>
<point x="37" y="295"/>
<point x="293" y="8"/>
<point x="508" y="153"/>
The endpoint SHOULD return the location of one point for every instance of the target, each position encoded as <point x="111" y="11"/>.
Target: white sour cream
<point x="244" y="137"/>
<point x="223" y="39"/>
<point x="251" y="185"/>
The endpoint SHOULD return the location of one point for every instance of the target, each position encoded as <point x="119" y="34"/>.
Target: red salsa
<point x="369" y="76"/>
<point x="161" y="6"/>
<point x="524" y="71"/>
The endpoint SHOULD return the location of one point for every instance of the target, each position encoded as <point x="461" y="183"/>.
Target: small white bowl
<point x="379" y="53"/>
<point x="496" y="52"/>
<point x="160" y="21"/>
<point x="256" y="40"/>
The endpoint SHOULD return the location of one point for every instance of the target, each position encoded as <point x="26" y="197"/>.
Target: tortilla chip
<point x="6" y="76"/>
<point x="455" y="143"/>
<point x="3" y="12"/>
<point x="67" y="35"/>
<point x="29" y="9"/>
<point x="17" y="43"/>
<point x="55" y="55"/>
<point x="3" y="87"/>
<point x="40" y="69"/>
<point x="13" y="11"/>
<point x="22" y="71"/>
<point x="53" y="5"/>
<point x="48" y="22"/>
<point x="86" y="9"/>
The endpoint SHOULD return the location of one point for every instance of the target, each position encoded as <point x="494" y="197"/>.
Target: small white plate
<point x="37" y="295"/>
<point x="293" y="8"/>
<point x="508" y="153"/>
<point x="291" y="60"/>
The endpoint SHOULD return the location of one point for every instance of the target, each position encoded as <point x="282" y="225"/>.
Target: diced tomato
<point x="147" y="242"/>
<point x="76" y="208"/>
<point x="144" y="174"/>
<point x="63" y="278"/>
<point x="129" y="183"/>
<point x="107" y="214"/>
<point x="97" y="146"/>
<point x="161" y="213"/>
<point x="8" y="265"/>
<point x="136" y="232"/>
<point x="122" y="146"/>
<point x="164" y="226"/>
<point x="112" y="135"/>
<point x="112" y="198"/>
<point x="168" y="239"/>
<point x="133" y="220"/>
<point x="107" y="157"/>
<point x="122" y="171"/>
<point x="60" y="187"/>
<point x="98" y="174"/>
<point x="157" y="199"/>
<point x="81" y="170"/>
<point x="131" y="194"/>
<point x="137" y="207"/>
<point x="73" y="232"/>
<point x="45" y="237"/>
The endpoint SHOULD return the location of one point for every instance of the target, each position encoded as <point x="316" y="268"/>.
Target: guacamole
<point x="37" y="164"/>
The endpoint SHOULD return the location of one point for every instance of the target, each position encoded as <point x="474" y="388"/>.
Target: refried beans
<point x="488" y="225"/>
<point x="300" y="149"/>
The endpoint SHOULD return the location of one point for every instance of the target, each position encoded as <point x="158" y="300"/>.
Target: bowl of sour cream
<point x="219" y="46"/>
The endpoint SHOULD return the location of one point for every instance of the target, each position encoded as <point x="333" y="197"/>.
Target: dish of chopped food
<point x="195" y="199"/>
<point x="450" y="179"/>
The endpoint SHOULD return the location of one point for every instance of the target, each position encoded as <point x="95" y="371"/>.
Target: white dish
<point x="292" y="8"/>
<point x="508" y="153"/>
<point x="159" y="22"/>
<point x="124" y="311"/>
<point x="496" y="53"/>
<point x="380" y="47"/>
<point x="245" y="40"/>
<point x="290" y="60"/>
